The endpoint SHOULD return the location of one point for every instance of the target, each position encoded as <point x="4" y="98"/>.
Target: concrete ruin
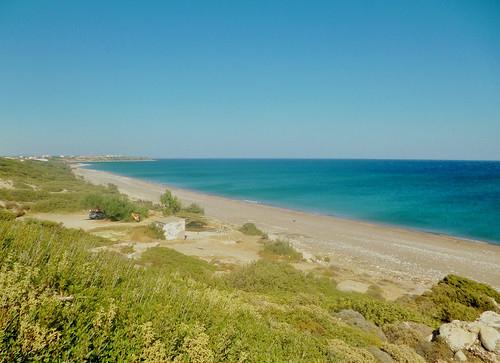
<point x="173" y="228"/>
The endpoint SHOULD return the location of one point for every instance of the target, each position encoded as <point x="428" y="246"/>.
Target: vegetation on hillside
<point x="52" y="187"/>
<point x="170" y="203"/>
<point x="7" y="215"/>
<point x="251" y="229"/>
<point x="117" y="207"/>
<point x="155" y="231"/>
<point x="193" y="208"/>
<point x="458" y="298"/>
<point x="280" y="250"/>
<point x="60" y="301"/>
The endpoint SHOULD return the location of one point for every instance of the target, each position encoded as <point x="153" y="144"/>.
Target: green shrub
<point x="457" y="298"/>
<point x="156" y="231"/>
<point x="402" y="353"/>
<point x="52" y="187"/>
<point x="339" y="351"/>
<point x="379" y="311"/>
<point x="168" y="260"/>
<point x="116" y="208"/>
<point x="194" y="208"/>
<point x="251" y="229"/>
<point x="267" y="276"/>
<point x="146" y="204"/>
<point x="170" y="203"/>
<point x="196" y="224"/>
<point x="282" y="249"/>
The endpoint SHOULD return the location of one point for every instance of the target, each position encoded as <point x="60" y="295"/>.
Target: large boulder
<point x="481" y="338"/>
<point x="490" y="338"/>
<point x="354" y="318"/>
<point x="459" y="335"/>
<point x="490" y="318"/>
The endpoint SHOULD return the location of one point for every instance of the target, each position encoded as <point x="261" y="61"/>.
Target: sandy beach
<point x="365" y="250"/>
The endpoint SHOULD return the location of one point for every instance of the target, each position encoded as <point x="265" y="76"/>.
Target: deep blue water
<point x="460" y="198"/>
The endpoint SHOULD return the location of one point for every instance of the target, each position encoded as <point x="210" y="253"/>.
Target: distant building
<point x="173" y="227"/>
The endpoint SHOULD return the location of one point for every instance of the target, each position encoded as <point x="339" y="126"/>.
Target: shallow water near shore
<point x="460" y="198"/>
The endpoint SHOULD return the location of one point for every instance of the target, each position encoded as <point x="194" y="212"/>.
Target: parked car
<point x="97" y="213"/>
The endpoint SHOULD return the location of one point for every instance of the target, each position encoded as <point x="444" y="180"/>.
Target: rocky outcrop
<point x="491" y="319"/>
<point x="480" y="338"/>
<point x="459" y="335"/>
<point x="489" y="338"/>
<point x="354" y="318"/>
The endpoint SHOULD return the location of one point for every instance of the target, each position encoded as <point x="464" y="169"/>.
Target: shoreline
<point x="411" y="257"/>
<point x="171" y="187"/>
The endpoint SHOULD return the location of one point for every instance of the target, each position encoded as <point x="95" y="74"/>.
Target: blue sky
<point x="360" y="79"/>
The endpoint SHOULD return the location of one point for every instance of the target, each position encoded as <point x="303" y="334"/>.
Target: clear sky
<point x="362" y="79"/>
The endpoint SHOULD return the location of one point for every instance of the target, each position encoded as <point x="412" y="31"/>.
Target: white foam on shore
<point x="251" y="201"/>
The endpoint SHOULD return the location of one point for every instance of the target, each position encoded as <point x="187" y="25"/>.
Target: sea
<point x="459" y="198"/>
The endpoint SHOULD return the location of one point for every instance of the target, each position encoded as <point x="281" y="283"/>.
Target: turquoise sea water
<point x="460" y="198"/>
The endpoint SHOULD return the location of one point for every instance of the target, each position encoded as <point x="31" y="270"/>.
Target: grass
<point x="116" y="207"/>
<point x="251" y="229"/>
<point x="7" y="215"/>
<point x="194" y="208"/>
<point x="127" y="249"/>
<point x="281" y="250"/>
<point x="52" y="187"/>
<point x="196" y="225"/>
<point x="170" y="261"/>
<point x="143" y="233"/>
<point x="155" y="231"/>
<point x="174" y="307"/>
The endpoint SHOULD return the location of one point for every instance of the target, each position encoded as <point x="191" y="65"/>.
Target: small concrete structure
<point x="173" y="228"/>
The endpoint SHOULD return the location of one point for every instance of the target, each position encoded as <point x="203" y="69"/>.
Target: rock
<point x="352" y="286"/>
<point x="459" y="335"/>
<point x="483" y="355"/>
<point x="491" y="319"/>
<point x="460" y="356"/>
<point x="481" y="338"/>
<point x="354" y="318"/>
<point x="420" y="329"/>
<point x="380" y="355"/>
<point x="489" y="338"/>
<point x="495" y="304"/>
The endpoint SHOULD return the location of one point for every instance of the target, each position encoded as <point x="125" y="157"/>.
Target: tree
<point x="170" y="203"/>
